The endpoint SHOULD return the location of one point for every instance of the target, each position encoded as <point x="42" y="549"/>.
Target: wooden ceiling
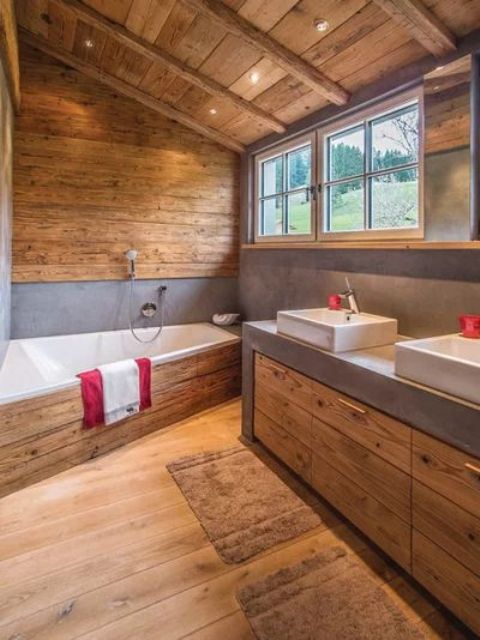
<point x="239" y="69"/>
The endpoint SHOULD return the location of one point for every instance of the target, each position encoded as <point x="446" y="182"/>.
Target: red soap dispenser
<point x="334" y="302"/>
<point x="470" y="326"/>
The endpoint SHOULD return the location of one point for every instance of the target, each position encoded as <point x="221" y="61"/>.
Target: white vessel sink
<point x="447" y="363"/>
<point x="337" y="330"/>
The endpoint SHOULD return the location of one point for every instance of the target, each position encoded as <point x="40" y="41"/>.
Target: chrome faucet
<point x="349" y="295"/>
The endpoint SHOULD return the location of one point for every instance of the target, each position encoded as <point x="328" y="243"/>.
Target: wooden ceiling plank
<point x="147" y="17"/>
<point x="9" y="50"/>
<point x="152" y="53"/>
<point x="127" y="90"/>
<point x="234" y="23"/>
<point x="422" y="24"/>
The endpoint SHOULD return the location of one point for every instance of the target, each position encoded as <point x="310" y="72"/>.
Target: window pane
<point x="395" y="200"/>
<point x="299" y="213"/>
<point x="395" y="139"/>
<point x="272" y="176"/>
<point x="346" y="152"/>
<point x="299" y="168"/>
<point x="271" y="223"/>
<point x="346" y="206"/>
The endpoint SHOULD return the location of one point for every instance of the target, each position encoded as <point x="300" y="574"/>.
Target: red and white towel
<point x="116" y="391"/>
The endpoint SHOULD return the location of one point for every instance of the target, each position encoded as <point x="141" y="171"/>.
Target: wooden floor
<point x="110" y="549"/>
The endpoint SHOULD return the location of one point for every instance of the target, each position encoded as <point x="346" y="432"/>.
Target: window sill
<point x="372" y="244"/>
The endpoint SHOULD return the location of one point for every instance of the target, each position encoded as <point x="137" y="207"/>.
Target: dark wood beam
<point x="130" y="91"/>
<point x="9" y="49"/>
<point x="286" y="59"/>
<point x="422" y="24"/>
<point x="154" y="54"/>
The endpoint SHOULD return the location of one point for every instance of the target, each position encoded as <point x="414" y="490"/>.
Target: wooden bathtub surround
<point x="42" y="436"/>
<point x="95" y="173"/>
<point x="417" y="498"/>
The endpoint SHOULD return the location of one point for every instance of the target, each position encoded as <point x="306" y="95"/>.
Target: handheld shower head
<point x="131" y="256"/>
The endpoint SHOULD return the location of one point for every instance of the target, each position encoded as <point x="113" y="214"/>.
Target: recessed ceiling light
<point x="254" y="77"/>
<point x="213" y="112"/>
<point x="321" y="24"/>
<point x="89" y="44"/>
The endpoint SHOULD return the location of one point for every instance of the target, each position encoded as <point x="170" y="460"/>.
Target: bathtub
<point x="39" y="366"/>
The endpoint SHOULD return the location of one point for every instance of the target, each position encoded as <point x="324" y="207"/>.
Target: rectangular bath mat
<point x="329" y="595"/>
<point x="243" y="506"/>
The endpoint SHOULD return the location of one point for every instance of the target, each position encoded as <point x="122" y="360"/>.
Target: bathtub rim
<point x="171" y="356"/>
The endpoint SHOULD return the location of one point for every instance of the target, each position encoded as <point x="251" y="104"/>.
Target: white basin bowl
<point x="447" y="363"/>
<point x="337" y="330"/>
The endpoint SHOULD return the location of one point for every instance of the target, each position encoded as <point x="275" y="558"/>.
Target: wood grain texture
<point x="448" y="471"/>
<point x="298" y="68"/>
<point x="43" y="436"/>
<point x="386" y="437"/>
<point x="448" y="580"/>
<point x="362" y="45"/>
<point x="447" y="107"/>
<point x="448" y="525"/>
<point x="415" y="17"/>
<point x="110" y="548"/>
<point x="168" y="62"/>
<point x="9" y="49"/>
<point x="95" y="174"/>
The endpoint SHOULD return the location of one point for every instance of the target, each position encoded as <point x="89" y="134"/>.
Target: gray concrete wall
<point x="447" y="196"/>
<point x="6" y="131"/>
<point x="43" y="309"/>
<point x="426" y="290"/>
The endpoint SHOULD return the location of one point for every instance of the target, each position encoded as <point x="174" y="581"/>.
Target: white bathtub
<point x="37" y="366"/>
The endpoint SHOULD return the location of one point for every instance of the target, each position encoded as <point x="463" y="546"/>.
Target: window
<point x="371" y="175"/>
<point x="367" y="170"/>
<point x="284" y="206"/>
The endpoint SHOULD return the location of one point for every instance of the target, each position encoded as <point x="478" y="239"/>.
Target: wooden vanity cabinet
<point x="416" y="497"/>
<point x="446" y="525"/>
<point x="318" y="433"/>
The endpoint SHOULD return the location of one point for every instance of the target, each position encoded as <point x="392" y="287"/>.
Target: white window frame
<point x="372" y="113"/>
<point x="317" y="140"/>
<point x="282" y="150"/>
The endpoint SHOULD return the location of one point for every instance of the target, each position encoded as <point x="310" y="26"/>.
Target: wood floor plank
<point x="111" y="550"/>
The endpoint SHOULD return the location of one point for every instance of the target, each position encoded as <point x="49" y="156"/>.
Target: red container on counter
<point x="334" y="302"/>
<point x="470" y="326"/>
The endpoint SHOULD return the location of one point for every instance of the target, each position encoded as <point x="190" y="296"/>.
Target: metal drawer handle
<point x="472" y="467"/>
<point x="351" y="406"/>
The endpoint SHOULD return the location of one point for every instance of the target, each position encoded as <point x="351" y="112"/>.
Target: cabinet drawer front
<point x="447" y="470"/>
<point x="295" y="420"/>
<point x="292" y="385"/>
<point x="380" y="524"/>
<point x="373" y="474"/>
<point x="454" y="585"/>
<point x="290" y="450"/>
<point x="387" y="437"/>
<point x="448" y="525"/>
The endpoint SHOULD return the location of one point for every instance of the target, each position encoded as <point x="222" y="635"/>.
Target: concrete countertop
<point x="369" y="376"/>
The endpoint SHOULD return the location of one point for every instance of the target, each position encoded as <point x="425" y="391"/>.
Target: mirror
<point x="447" y="151"/>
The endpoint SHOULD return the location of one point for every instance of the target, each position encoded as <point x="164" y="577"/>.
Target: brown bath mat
<point x="328" y="596"/>
<point x="243" y="506"/>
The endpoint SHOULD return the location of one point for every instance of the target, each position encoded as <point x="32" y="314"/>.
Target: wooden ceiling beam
<point x="422" y="24"/>
<point x="9" y="49"/>
<point x="154" y="54"/>
<point x="130" y="91"/>
<point x="272" y="49"/>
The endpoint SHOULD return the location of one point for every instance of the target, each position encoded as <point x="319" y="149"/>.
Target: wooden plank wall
<point x="447" y="107"/>
<point x="44" y="436"/>
<point x="96" y="173"/>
